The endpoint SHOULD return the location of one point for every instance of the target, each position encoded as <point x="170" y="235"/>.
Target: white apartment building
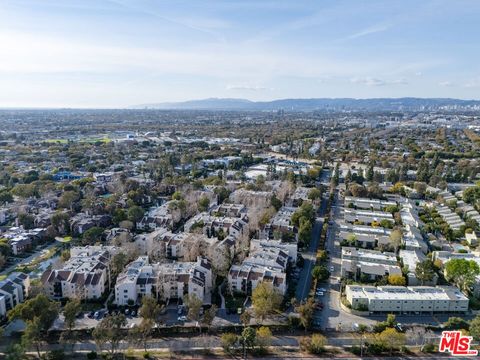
<point x="366" y="216"/>
<point x="367" y="204"/>
<point x="165" y="281"/>
<point x="404" y="300"/>
<point x="374" y="264"/>
<point x="245" y="277"/>
<point x="13" y="291"/>
<point x="365" y="236"/>
<point x="85" y="275"/>
<point x="290" y="248"/>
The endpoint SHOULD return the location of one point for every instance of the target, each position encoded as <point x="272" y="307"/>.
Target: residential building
<point x="368" y="263"/>
<point x="86" y="275"/>
<point x="367" y="204"/>
<point x="13" y="291"/>
<point x="405" y="300"/>
<point x="165" y="281"/>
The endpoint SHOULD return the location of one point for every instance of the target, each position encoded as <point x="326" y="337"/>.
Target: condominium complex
<point x="370" y="263"/>
<point x="400" y="299"/>
<point x="166" y="281"/>
<point x="85" y="275"/>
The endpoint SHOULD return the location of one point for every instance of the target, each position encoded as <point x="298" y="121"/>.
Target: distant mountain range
<point x="379" y="104"/>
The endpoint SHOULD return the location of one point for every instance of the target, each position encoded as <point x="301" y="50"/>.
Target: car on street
<point x="332" y="269"/>
<point x="182" y="318"/>
<point x="319" y="293"/>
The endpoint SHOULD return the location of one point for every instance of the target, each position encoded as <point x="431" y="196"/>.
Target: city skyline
<point x="122" y="53"/>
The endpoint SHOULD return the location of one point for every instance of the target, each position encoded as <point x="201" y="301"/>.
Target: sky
<point x="118" y="53"/>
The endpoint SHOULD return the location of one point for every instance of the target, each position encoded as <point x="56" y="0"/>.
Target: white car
<point x="182" y="318"/>
<point x="319" y="293"/>
<point x="332" y="269"/>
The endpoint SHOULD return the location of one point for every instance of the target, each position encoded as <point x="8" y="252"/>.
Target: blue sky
<point x="116" y="53"/>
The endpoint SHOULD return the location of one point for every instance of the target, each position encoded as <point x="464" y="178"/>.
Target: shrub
<point x="428" y="348"/>
<point x="92" y="355"/>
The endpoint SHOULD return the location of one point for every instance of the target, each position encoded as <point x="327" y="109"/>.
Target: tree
<point x="314" y="344"/>
<point x="397" y="280"/>
<point x="263" y="337"/>
<point x="209" y="316"/>
<point x="203" y="203"/>
<point x="275" y="202"/>
<point x="135" y="213"/>
<point x="142" y="331"/>
<point x="229" y="341"/>
<point x="92" y="235"/>
<point x="119" y="261"/>
<point x="462" y="273"/>
<point x="38" y="307"/>
<point x="249" y="336"/>
<point x="306" y="312"/>
<point x="194" y="304"/>
<point x="396" y="238"/>
<point x="314" y="194"/>
<point x="65" y="255"/>
<point x="3" y="261"/>
<point x="27" y="221"/>
<point x="245" y="318"/>
<point x="70" y="311"/>
<point x="425" y="271"/>
<point x="320" y="273"/>
<point x="266" y="300"/>
<point x="456" y="323"/>
<point x="67" y="199"/>
<point x="15" y="352"/>
<point x="150" y="309"/>
<point x="391" y="339"/>
<point x="475" y="328"/>
<point x="33" y="334"/>
<point x="109" y="330"/>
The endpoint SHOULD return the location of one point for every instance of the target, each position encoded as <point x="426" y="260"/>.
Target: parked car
<point x="182" y="318"/>
<point x="332" y="269"/>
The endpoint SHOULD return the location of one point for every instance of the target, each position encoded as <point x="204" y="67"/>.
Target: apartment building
<point x="13" y="291"/>
<point x="245" y="277"/>
<point x="366" y="217"/>
<point x="364" y="236"/>
<point x="407" y="300"/>
<point x="86" y="275"/>
<point x="370" y="263"/>
<point x="451" y="218"/>
<point x="367" y="204"/>
<point x="165" y="281"/>
<point x="289" y="248"/>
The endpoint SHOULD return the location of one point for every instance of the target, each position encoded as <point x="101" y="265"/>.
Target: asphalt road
<point x="305" y="279"/>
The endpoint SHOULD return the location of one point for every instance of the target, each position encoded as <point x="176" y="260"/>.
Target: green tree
<point x="391" y="339"/>
<point x="38" y="307"/>
<point x="275" y="202"/>
<point x="248" y="337"/>
<point x="135" y="213"/>
<point x="475" y="328"/>
<point x="27" y="221"/>
<point x="456" y="323"/>
<point x="33" y="334"/>
<point x="203" y="203"/>
<point x="229" y="340"/>
<point x="263" y="337"/>
<point x="68" y="199"/>
<point x="194" y="304"/>
<point x="425" y="271"/>
<point x="314" y="344"/>
<point x="396" y="280"/>
<point x="92" y="235"/>
<point x="462" y="273"/>
<point x="150" y="309"/>
<point x="306" y="312"/>
<point x="320" y="273"/>
<point x="266" y="300"/>
<point x="314" y="194"/>
<point x="70" y="311"/>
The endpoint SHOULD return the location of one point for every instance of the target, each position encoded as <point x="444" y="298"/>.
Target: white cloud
<point x="246" y="87"/>
<point x="473" y="83"/>
<point x="445" y="83"/>
<point x="369" y="31"/>
<point x="371" y="81"/>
